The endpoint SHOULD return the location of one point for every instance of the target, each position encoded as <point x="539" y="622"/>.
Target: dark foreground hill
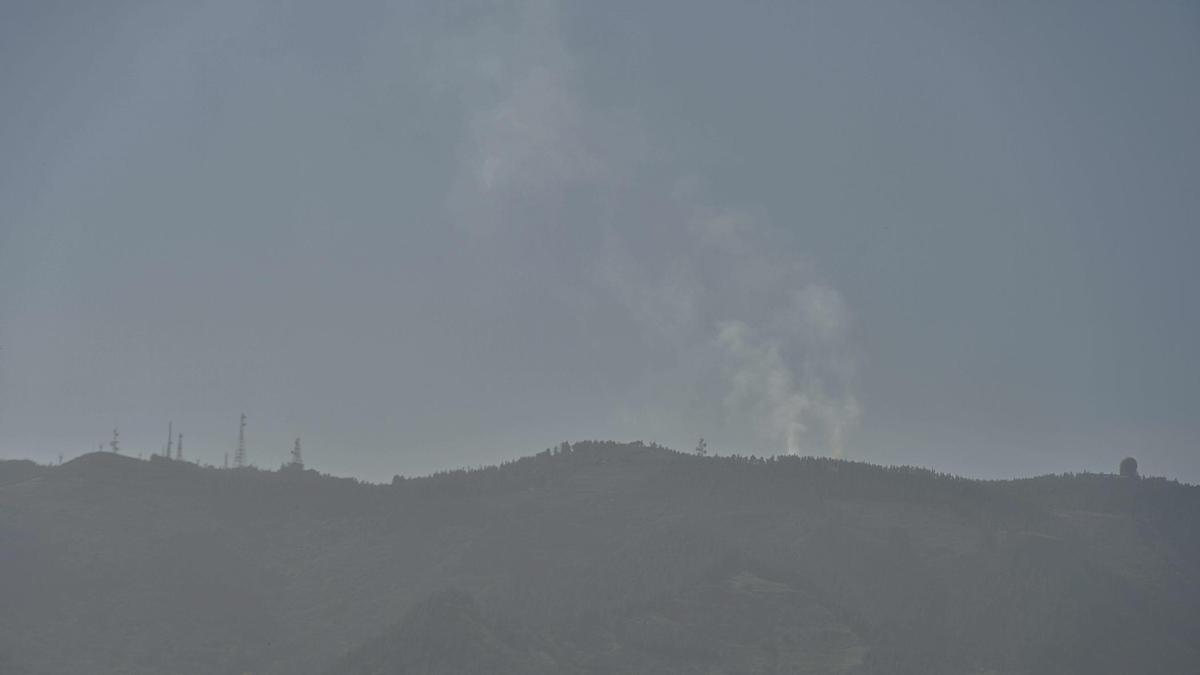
<point x="605" y="558"/>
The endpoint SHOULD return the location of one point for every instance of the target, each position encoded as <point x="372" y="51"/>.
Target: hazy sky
<point x="422" y="235"/>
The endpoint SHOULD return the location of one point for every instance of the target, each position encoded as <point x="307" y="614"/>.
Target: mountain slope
<point x="603" y="558"/>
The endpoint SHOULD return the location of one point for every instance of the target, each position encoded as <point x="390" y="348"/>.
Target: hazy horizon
<point x="422" y="236"/>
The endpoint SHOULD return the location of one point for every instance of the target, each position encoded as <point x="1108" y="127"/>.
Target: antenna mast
<point x="297" y="459"/>
<point x="239" y="457"/>
<point x="115" y="443"/>
<point x="179" y="448"/>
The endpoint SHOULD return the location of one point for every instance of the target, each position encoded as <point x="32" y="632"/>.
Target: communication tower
<point x="239" y="457"/>
<point x="297" y="458"/>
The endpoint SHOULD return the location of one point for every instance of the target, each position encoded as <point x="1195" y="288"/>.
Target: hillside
<point x="604" y="558"/>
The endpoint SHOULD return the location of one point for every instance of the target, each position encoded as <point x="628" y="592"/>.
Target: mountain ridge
<point x="596" y="557"/>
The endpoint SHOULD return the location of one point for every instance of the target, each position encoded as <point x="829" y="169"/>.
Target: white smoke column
<point x="734" y="319"/>
<point x="809" y="411"/>
<point x="528" y="140"/>
<point x="782" y="338"/>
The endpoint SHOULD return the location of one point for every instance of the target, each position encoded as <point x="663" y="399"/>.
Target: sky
<point x="432" y="234"/>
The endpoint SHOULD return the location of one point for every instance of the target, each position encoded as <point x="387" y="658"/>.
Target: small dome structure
<point x="1129" y="467"/>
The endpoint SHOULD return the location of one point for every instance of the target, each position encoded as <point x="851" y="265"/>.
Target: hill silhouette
<point x="596" y="558"/>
